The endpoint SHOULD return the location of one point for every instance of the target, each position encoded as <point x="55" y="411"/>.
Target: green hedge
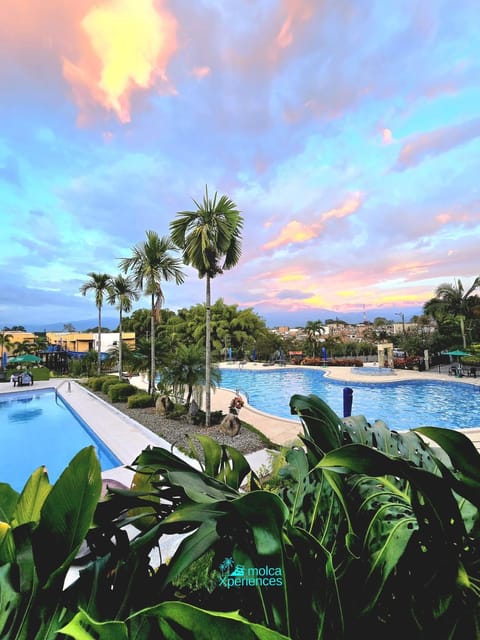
<point x="120" y="392"/>
<point x="140" y="401"/>
<point x="96" y="382"/>
<point x="109" y="382"/>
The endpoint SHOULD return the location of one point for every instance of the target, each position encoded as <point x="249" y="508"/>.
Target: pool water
<point x="39" y="428"/>
<point x="401" y="405"/>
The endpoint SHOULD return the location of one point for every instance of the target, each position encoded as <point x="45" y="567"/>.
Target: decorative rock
<point x="163" y="405"/>
<point x="230" y="425"/>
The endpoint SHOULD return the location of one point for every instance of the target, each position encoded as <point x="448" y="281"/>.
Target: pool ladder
<point x="69" y="388"/>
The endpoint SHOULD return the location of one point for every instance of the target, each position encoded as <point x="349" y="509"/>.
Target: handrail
<point x="58" y="387"/>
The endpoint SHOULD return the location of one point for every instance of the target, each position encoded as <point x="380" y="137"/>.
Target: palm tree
<point x="453" y="300"/>
<point x="122" y="292"/>
<point x="99" y="283"/>
<point x="187" y="369"/>
<point x="210" y="239"/>
<point x="150" y="263"/>
<point x="5" y="340"/>
<point x="313" y="329"/>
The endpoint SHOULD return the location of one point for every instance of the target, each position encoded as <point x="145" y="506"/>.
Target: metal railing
<point x="69" y="388"/>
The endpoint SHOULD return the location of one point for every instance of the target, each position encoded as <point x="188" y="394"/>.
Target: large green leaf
<point x="83" y="627"/>
<point x="265" y="514"/>
<point x="66" y="516"/>
<point x="170" y="621"/>
<point x="32" y="498"/>
<point x="191" y="548"/>
<point x="7" y="544"/>
<point x="8" y="502"/>
<point x="178" y="621"/>
<point x="320" y="423"/>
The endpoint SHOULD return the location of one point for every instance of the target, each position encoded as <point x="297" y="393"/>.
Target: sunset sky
<point x="347" y="132"/>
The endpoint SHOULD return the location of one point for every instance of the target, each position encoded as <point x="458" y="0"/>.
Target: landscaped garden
<point x="362" y="532"/>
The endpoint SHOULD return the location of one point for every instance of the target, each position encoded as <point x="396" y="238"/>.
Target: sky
<point x="347" y="133"/>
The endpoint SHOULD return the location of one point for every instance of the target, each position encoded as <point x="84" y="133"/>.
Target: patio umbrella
<point x="27" y="357"/>
<point x="456" y="352"/>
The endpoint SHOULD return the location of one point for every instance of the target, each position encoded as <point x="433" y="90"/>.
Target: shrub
<point x="178" y="411"/>
<point x="109" y="382"/>
<point x="121" y="391"/>
<point x="95" y="383"/>
<point x="140" y="401"/>
<point x="216" y="417"/>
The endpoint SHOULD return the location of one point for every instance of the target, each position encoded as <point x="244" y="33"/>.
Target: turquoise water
<point x="36" y="429"/>
<point x="402" y="405"/>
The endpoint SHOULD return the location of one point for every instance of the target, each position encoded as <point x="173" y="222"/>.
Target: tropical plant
<point x="210" y="240"/>
<point x="5" y="341"/>
<point x="122" y="292"/>
<point x="383" y="528"/>
<point x="98" y="283"/>
<point x="451" y="301"/>
<point x="186" y="370"/>
<point x="151" y="263"/>
<point x="314" y="329"/>
<point x="41" y="530"/>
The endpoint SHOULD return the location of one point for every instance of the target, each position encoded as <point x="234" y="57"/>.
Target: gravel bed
<point x="177" y="432"/>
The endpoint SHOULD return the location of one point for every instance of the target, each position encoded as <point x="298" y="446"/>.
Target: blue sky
<point x="348" y="134"/>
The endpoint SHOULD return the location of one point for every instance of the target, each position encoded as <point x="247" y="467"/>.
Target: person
<point x="13" y="379"/>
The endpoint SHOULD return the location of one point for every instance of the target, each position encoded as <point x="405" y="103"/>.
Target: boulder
<point x="230" y="425"/>
<point x="163" y="405"/>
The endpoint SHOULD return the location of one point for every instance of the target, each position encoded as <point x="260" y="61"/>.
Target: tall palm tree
<point x="210" y="239"/>
<point x="151" y="263"/>
<point x="313" y="329"/>
<point x="99" y="283"/>
<point x="122" y="292"/>
<point x="5" y="340"/>
<point x="453" y="300"/>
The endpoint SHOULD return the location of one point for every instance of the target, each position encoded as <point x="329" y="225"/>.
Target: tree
<point x="313" y="329"/>
<point x="187" y="369"/>
<point x="99" y="283"/>
<point x="122" y="292"/>
<point x="210" y="239"/>
<point x="452" y="300"/>
<point x="151" y="263"/>
<point x="5" y="340"/>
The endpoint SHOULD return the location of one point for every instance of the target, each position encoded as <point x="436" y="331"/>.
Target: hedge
<point x="96" y="382"/>
<point x="140" y="401"/>
<point x="120" y="392"/>
<point x="109" y="382"/>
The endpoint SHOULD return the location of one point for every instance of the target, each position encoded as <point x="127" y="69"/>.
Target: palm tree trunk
<point x="208" y="353"/>
<point x="120" y="366"/>
<point x="99" y="358"/>
<point x="151" y="383"/>
<point x="462" y="329"/>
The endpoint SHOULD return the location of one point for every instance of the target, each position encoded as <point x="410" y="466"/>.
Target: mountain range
<point x="272" y="319"/>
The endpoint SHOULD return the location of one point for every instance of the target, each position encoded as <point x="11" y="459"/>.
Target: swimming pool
<point x="39" y="428"/>
<point x="401" y="405"/>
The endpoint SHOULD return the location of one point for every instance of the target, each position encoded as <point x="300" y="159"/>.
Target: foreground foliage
<point x="372" y="532"/>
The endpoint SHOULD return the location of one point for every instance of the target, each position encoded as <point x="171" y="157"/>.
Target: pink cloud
<point x="201" y="72"/>
<point x="298" y="232"/>
<point x="124" y="46"/>
<point x="436" y="142"/>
